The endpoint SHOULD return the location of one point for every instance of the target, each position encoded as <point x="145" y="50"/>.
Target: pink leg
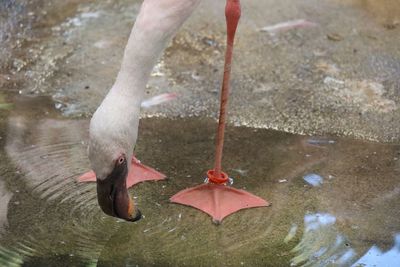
<point x="216" y="198"/>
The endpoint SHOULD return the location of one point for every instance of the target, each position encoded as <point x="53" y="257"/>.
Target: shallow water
<point x="335" y="201"/>
<point x="48" y="219"/>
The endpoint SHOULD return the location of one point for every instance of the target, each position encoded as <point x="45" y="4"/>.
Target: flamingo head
<point x="113" y="132"/>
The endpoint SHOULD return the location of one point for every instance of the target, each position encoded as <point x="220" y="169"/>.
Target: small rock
<point x="391" y="26"/>
<point x="334" y="37"/>
<point x="58" y="105"/>
<point x="18" y="64"/>
<point x="209" y="41"/>
<point x="333" y="82"/>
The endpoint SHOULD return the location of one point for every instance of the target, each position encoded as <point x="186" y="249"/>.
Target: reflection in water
<point x="10" y="258"/>
<point x="48" y="212"/>
<point x="376" y="257"/>
<point x="52" y="220"/>
<point x="291" y="234"/>
<point x="5" y="197"/>
<point x="320" y="141"/>
<point x="313" y="179"/>
<point x="321" y="244"/>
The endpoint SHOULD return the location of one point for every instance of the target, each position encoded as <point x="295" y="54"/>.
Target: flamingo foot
<point x="218" y="200"/>
<point x="138" y="173"/>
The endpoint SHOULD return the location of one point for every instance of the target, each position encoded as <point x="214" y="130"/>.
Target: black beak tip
<point x="137" y="217"/>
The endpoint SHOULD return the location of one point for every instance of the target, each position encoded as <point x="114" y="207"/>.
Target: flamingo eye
<point x="121" y="160"/>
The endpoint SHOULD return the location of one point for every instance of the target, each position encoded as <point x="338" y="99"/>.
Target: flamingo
<point x="114" y="125"/>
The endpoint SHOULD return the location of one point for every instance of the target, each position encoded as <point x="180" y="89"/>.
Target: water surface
<point x="335" y="201"/>
<point x="49" y="219"/>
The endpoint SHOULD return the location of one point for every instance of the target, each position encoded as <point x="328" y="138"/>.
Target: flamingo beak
<point x="113" y="196"/>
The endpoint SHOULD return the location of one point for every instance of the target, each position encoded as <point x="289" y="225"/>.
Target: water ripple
<point x="48" y="213"/>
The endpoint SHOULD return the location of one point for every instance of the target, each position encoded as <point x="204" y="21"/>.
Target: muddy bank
<point x="340" y="77"/>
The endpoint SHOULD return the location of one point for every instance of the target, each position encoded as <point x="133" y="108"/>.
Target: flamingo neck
<point x="156" y="23"/>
